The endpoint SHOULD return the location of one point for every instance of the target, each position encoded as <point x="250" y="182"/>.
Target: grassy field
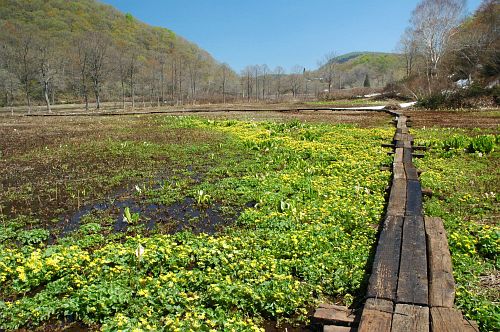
<point x="180" y="222"/>
<point x="224" y="221"/>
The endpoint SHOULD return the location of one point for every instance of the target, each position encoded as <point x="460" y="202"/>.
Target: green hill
<point x="139" y="59"/>
<point x="382" y="68"/>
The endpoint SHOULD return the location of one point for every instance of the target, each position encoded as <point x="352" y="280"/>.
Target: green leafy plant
<point x="33" y="236"/>
<point x="202" y="198"/>
<point x="131" y="218"/>
<point x="483" y="144"/>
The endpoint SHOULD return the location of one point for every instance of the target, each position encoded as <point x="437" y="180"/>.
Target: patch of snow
<point x="406" y="105"/>
<point x="372" y="95"/>
<point x="368" y="108"/>
<point x="463" y="83"/>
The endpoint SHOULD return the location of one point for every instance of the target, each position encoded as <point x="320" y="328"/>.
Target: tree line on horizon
<point x="57" y="51"/>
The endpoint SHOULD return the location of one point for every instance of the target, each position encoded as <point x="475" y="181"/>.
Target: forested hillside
<point x="86" y="51"/>
<point x="352" y="69"/>
<point x="446" y="51"/>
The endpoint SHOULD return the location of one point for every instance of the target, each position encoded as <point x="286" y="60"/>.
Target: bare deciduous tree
<point x="47" y="69"/>
<point x="295" y="79"/>
<point x="278" y="72"/>
<point x="433" y="23"/>
<point x="224" y="69"/>
<point x="98" y="47"/>
<point x="328" y="67"/>
<point x="408" y="46"/>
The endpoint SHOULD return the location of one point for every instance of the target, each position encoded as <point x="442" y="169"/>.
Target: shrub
<point x="460" y="98"/>
<point x="483" y="144"/>
<point x="433" y="101"/>
<point x="456" y="142"/>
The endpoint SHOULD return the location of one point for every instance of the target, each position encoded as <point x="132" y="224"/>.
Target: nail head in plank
<point x="409" y="317"/>
<point x="384" y="278"/>
<point x="412" y="282"/>
<point x="441" y="282"/>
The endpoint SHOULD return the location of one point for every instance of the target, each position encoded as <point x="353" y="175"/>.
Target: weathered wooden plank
<point x="400" y="144"/>
<point x="412" y="281"/>
<point x="401" y="121"/>
<point x="448" y="320"/>
<point x="441" y="282"/>
<point x="407" y="144"/>
<point x="330" y="313"/>
<point x="407" y="156"/>
<point x="376" y="316"/>
<point x="398" y="155"/>
<point x="411" y="172"/>
<point x="397" y="198"/>
<point x="398" y="171"/>
<point x="413" y="197"/>
<point x="398" y="137"/>
<point x="408" y="317"/>
<point x="384" y="278"/>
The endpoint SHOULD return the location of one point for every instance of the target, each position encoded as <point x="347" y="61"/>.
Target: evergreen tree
<point x="366" y="83"/>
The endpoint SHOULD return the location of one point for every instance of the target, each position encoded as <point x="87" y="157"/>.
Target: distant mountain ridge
<point x="381" y="67"/>
<point x="352" y="55"/>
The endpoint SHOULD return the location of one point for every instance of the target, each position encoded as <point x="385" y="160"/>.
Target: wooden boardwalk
<point x="411" y="287"/>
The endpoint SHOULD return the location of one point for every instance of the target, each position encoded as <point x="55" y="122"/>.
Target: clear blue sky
<point x="279" y="32"/>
